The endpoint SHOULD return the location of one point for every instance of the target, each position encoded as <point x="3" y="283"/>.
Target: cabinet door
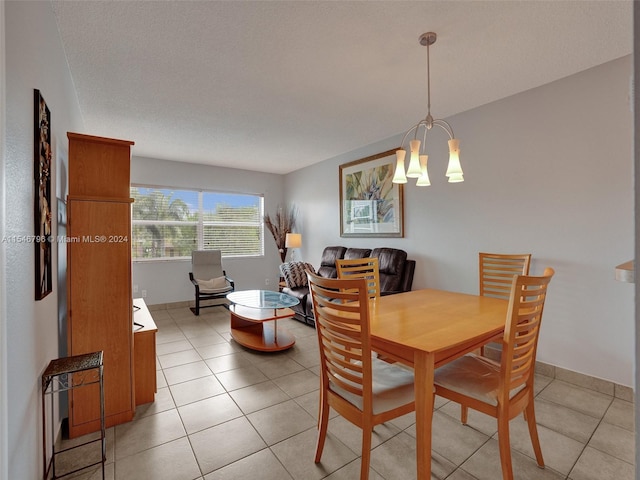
<point x="100" y="307"/>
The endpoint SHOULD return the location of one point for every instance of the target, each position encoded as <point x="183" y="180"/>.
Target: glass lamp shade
<point x="414" y="170"/>
<point x="423" y="181"/>
<point x="454" y="168"/>
<point x="399" y="176"/>
<point x="456" y="178"/>
<point x="293" y="240"/>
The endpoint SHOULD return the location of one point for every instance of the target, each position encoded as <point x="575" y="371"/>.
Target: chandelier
<point x="418" y="159"/>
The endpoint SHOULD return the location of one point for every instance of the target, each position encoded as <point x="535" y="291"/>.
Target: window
<point x="170" y="223"/>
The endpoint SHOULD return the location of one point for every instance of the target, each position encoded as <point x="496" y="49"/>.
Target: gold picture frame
<point x="370" y="204"/>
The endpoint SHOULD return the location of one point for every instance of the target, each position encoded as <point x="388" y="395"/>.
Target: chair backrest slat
<point x="497" y="271"/>
<point x="366" y="268"/>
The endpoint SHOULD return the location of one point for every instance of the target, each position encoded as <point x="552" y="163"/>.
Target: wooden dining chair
<point x="366" y="268"/>
<point x="503" y="389"/>
<point x="496" y="273"/>
<point x="366" y="391"/>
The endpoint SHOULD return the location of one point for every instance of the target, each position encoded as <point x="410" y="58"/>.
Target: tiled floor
<point x="223" y="412"/>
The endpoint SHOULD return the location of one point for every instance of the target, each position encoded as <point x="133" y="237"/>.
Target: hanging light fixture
<point x="418" y="161"/>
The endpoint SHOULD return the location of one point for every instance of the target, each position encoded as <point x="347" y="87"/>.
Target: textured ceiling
<point x="275" y="86"/>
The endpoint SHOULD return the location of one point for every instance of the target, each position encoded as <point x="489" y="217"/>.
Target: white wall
<point x="168" y="281"/>
<point x="34" y="59"/>
<point x="548" y="171"/>
<point x="4" y="443"/>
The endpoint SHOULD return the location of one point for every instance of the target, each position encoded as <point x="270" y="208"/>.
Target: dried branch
<point x="283" y="223"/>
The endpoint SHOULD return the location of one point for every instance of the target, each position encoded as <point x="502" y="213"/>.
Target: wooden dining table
<point x="426" y="329"/>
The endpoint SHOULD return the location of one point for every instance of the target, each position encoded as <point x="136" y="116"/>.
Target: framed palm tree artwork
<point x="370" y="204"/>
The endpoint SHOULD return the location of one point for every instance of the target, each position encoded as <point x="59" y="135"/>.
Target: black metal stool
<point x="65" y="374"/>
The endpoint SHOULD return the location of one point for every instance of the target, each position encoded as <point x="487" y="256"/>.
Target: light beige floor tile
<point x="479" y="421"/>
<point x="228" y="362"/>
<point x="309" y="401"/>
<point x="596" y="465"/>
<point x="79" y="457"/>
<point x="161" y="381"/>
<point x="179" y="358"/>
<point x="197" y="389"/>
<point x="240" y="378"/>
<point x="263" y="465"/>
<point x="577" y="398"/>
<point x="224" y="444"/>
<point x="170" y="461"/>
<point x="564" y="420"/>
<point x="94" y="473"/>
<point x="460" y="474"/>
<point x="351" y="435"/>
<point x="172" y="347"/>
<point x="396" y="458"/>
<point x="454" y="441"/>
<point x="299" y="383"/>
<point x="405" y="422"/>
<point x="212" y="338"/>
<point x="540" y="382"/>
<point x="621" y="414"/>
<point x="297" y="455"/>
<point x="147" y="432"/>
<point x="279" y="367"/>
<point x="169" y="336"/>
<point x="352" y="471"/>
<point x="558" y="451"/>
<point x="208" y="413"/>
<point x="485" y="465"/>
<point x="259" y="396"/>
<point x="216" y="350"/>
<point x="615" y="441"/>
<point x="281" y="421"/>
<point x="163" y="402"/>
<point x="184" y="373"/>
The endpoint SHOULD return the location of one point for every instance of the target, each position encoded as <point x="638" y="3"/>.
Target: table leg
<point x="424" y="368"/>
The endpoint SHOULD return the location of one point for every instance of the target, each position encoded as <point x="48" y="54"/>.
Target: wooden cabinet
<point x="144" y="352"/>
<point x="99" y="276"/>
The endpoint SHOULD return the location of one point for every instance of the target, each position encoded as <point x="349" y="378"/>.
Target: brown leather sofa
<point x="396" y="274"/>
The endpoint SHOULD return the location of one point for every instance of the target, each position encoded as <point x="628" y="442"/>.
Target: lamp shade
<point x="454" y="169"/>
<point x="414" y="170"/>
<point x="424" y="181"/>
<point x="293" y="240"/>
<point x="399" y="176"/>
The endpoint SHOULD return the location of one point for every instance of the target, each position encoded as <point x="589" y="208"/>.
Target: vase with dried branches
<point x="283" y="222"/>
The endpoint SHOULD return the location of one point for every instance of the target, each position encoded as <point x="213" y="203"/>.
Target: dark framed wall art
<point x="42" y="161"/>
<point x="370" y="204"/>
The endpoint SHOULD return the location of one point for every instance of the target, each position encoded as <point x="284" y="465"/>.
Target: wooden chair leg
<point x="530" y="416"/>
<point x="464" y="414"/>
<point x="505" y="447"/>
<point x="323" y="422"/>
<point x="366" y="452"/>
<point x="197" y="305"/>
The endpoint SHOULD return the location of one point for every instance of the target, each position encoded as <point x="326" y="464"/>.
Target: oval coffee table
<point x="254" y="319"/>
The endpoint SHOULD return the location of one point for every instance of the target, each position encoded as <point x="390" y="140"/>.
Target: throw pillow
<point x="213" y="284"/>
<point x="295" y="273"/>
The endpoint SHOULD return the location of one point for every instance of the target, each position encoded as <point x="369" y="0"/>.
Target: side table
<point x="64" y="374"/>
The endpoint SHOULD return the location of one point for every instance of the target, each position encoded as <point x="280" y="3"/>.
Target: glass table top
<point x="262" y="299"/>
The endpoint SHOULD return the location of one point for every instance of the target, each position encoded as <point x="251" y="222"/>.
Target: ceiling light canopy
<point x="418" y="161"/>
